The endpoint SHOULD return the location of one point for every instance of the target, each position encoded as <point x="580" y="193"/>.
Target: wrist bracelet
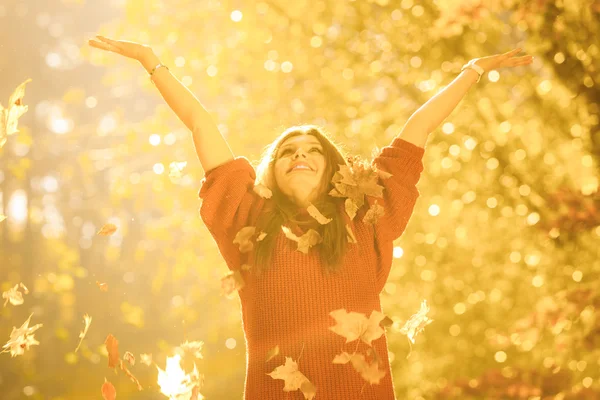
<point x="157" y="67"/>
<point x="471" y="64"/>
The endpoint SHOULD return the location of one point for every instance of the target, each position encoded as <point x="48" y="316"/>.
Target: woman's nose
<point x="298" y="152"/>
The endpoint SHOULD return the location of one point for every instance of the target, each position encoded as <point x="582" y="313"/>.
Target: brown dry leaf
<point x="306" y="241"/>
<point x="87" y="320"/>
<point x="387" y="321"/>
<point x="21" y="338"/>
<point x="129" y="357"/>
<point x="108" y="391"/>
<point x="293" y="378"/>
<point x="102" y="286"/>
<point x="369" y="372"/>
<point x="231" y="282"/>
<point x="351" y="237"/>
<point x="13" y="295"/>
<point x="316" y="214"/>
<point x="263" y="191"/>
<point x="244" y="238"/>
<point x="354" y="181"/>
<point x="353" y="325"/>
<point x="9" y="116"/>
<point x="194" y="347"/>
<point x="107" y="230"/>
<point x="274" y="352"/>
<point x="112" y="347"/>
<point x="146" y="358"/>
<point x="373" y="214"/>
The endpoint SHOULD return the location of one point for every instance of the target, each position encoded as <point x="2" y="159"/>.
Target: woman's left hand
<point x="503" y="60"/>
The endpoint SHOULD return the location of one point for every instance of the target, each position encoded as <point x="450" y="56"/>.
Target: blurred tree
<point x="503" y="242"/>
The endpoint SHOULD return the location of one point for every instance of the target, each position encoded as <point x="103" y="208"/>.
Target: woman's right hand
<point x="125" y="48"/>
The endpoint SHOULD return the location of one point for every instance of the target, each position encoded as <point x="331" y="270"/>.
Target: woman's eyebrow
<point x="311" y="143"/>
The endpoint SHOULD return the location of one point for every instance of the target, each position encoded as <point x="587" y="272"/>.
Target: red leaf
<point x="108" y="391"/>
<point x="112" y="346"/>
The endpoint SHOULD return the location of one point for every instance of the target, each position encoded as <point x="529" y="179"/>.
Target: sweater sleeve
<point x="228" y="205"/>
<point x="403" y="160"/>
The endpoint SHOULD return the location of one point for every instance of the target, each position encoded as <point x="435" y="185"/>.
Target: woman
<point x="308" y="238"/>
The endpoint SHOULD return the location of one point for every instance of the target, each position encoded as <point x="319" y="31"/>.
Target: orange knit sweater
<point x="289" y="304"/>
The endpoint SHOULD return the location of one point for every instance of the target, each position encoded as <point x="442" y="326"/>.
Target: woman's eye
<point x="316" y="148"/>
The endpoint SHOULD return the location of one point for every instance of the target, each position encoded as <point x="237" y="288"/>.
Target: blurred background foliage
<point x="504" y="242"/>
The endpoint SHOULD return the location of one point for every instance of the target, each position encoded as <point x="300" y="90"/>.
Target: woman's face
<point x="299" y="168"/>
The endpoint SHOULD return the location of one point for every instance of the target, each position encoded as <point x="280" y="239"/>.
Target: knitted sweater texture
<point x="289" y="304"/>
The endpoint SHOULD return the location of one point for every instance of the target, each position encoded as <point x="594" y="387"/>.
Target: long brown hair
<point x="281" y="210"/>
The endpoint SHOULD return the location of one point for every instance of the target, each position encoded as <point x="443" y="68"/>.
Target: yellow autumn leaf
<point x="14" y="296"/>
<point x="9" y="116"/>
<point x="107" y="230"/>
<point x="175" y="169"/>
<point x="316" y="214"/>
<point x="244" y="238"/>
<point x="294" y="379"/>
<point x="129" y="357"/>
<point x="232" y="282"/>
<point x="274" y="352"/>
<point x="2" y="217"/>
<point x="263" y="191"/>
<point x="373" y="214"/>
<point x="194" y="347"/>
<point x="306" y="241"/>
<point x="146" y="358"/>
<point x="417" y="322"/>
<point x="87" y="320"/>
<point x="368" y="371"/>
<point x="353" y="325"/>
<point x="354" y="181"/>
<point x="351" y="237"/>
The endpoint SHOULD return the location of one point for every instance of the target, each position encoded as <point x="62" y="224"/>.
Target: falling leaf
<point x="353" y="325"/>
<point x="351" y="237"/>
<point x="369" y="372"/>
<point x="263" y="191"/>
<point x="108" y="391"/>
<point x="2" y="216"/>
<point x="316" y="214"/>
<point x="146" y="359"/>
<point x="175" y="169"/>
<point x="21" y="338"/>
<point x="261" y="236"/>
<point x="87" y="321"/>
<point x="112" y="347"/>
<point x="354" y="181"/>
<point x="194" y="347"/>
<point x="243" y="238"/>
<point x="103" y="286"/>
<point x="373" y="214"/>
<point x="274" y="352"/>
<point x="9" y="116"/>
<point x="129" y="357"/>
<point x="14" y="296"/>
<point x="293" y="378"/>
<point x="107" y="230"/>
<point x="175" y="383"/>
<point x="387" y="321"/>
<point x="417" y="322"/>
<point x="231" y="282"/>
<point x="246" y="267"/>
<point x="306" y="241"/>
<point x="130" y="375"/>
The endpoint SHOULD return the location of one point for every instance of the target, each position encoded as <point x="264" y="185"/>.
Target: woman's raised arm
<point x="211" y="147"/>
